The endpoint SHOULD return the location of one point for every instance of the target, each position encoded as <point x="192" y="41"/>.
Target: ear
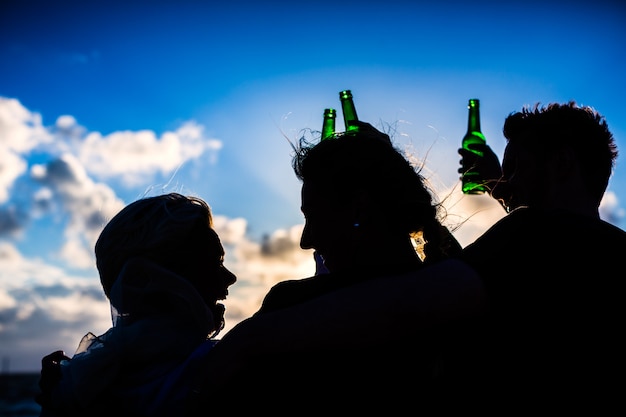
<point x="362" y="206"/>
<point x="567" y="165"/>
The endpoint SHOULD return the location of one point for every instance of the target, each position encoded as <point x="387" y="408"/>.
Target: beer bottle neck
<point x="473" y="121"/>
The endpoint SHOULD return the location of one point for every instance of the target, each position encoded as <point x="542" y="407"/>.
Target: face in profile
<point x="213" y="277"/>
<point x="523" y="179"/>
<point x="328" y="227"/>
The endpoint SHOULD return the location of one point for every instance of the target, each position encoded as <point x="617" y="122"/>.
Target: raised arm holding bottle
<point x="480" y="168"/>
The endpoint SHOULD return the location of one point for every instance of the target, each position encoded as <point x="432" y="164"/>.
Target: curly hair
<point x="367" y="160"/>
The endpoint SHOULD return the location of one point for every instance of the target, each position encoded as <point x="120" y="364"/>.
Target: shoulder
<point x="454" y="277"/>
<point x="290" y="285"/>
<point x="434" y="284"/>
<point x="577" y="226"/>
<point x="612" y="230"/>
<point x="294" y="291"/>
<point x="518" y="219"/>
<point x="443" y="271"/>
<point x="450" y="265"/>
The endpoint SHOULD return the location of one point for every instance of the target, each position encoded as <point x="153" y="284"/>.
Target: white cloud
<point x="11" y="167"/>
<point x="20" y="132"/>
<point x="136" y="157"/>
<point x="610" y="209"/>
<point x="230" y="231"/>
<point x="9" y="255"/>
<point x="6" y="302"/>
<point x="87" y="204"/>
<point x="20" y="129"/>
<point x="43" y="308"/>
<point x="468" y="216"/>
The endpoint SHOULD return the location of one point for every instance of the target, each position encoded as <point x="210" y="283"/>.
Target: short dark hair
<point x="543" y="130"/>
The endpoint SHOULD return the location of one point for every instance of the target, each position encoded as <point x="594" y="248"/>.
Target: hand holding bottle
<point x="488" y="164"/>
<point x="366" y="129"/>
<point x="50" y="375"/>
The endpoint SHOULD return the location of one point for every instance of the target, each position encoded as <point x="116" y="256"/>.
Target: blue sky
<point x="103" y="102"/>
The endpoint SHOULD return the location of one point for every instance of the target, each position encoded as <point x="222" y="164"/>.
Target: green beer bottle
<point x="472" y="182"/>
<point x="348" y="109"/>
<point x="328" y="126"/>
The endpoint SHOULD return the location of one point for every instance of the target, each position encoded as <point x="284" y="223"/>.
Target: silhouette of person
<point x="367" y="213"/>
<point x="161" y="267"/>
<point x="365" y="206"/>
<point x="549" y="266"/>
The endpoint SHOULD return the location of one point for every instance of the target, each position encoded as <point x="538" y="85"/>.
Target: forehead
<point x="315" y="195"/>
<point x="516" y="156"/>
<point x="213" y="243"/>
<point x="312" y="194"/>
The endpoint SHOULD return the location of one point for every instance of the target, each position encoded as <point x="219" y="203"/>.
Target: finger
<point x="54" y="358"/>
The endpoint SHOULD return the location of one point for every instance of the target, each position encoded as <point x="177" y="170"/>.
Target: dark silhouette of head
<point x="557" y="156"/>
<point x="173" y="231"/>
<point x="364" y="202"/>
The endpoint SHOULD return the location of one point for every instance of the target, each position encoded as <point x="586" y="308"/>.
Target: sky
<point x="102" y="103"/>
